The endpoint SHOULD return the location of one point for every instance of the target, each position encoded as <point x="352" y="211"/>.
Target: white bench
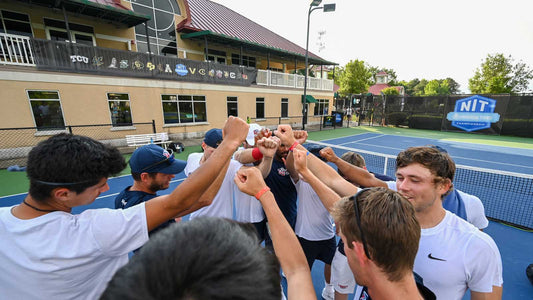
<point x="137" y="140"/>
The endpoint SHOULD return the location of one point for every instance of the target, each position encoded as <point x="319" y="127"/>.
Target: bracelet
<point x="293" y="146"/>
<point x="261" y="192"/>
<point x="256" y="154"/>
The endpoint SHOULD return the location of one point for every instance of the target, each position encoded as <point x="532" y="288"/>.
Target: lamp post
<point x="313" y="6"/>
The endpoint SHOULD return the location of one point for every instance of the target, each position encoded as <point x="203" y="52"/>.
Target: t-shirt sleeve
<point x="483" y="264"/>
<point x="391" y="185"/>
<point x="120" y="231"/>
<point x="475" y="211"/>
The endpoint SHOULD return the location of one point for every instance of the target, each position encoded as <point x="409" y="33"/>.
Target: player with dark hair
<point x="48" y="253"/>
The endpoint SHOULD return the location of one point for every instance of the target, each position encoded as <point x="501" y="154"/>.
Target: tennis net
<point x="507" y="196"/>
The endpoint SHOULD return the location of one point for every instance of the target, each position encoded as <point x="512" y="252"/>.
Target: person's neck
<point x="30" y="208"/>
<point x="405" y="288"/>
<point x="431" y="216"/>
<point x="140" y="187"/>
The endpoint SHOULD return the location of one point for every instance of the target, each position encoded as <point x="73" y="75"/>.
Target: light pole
<point x="313" y="6"/>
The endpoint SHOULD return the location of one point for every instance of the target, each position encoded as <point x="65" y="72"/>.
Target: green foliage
<point x="436" y="87"/>
<point x="498" y="74"/>
<point x="302" y="72"/>
<point x="390" y="91"/>
<point x="397" y="118"/>
<point x="418" y="89"/>
<point x="354" y="78"/>
<point x="453" y="86"/>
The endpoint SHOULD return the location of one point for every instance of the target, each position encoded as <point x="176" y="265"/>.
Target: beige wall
<point x="84" y="100"/>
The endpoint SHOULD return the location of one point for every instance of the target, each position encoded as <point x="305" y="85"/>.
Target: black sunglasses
<point x="169" y="160"/>
<point x="358" y="219"/>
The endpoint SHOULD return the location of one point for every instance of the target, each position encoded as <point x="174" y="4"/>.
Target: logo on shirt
<point x="283" y="172"/>
<point x="343" y="286"/>
<point x="435" y="258"/>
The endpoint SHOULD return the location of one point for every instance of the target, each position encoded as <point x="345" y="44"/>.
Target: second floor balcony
<point x="78" y="58"/>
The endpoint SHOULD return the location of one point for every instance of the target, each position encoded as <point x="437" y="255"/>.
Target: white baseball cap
<point x="252" y="131"/>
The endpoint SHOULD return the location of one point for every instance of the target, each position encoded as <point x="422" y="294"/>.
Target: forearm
<point x="265" y="166"/>
<point x="496" y="294"/>
<point x="287" y="249"/>
<point x="358" y="175"/>
<point x="244" y="156"/>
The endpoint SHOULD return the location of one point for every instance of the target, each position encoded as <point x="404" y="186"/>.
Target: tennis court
<point x="506" y="189"/>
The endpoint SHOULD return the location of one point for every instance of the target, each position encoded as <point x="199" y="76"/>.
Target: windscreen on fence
<point x="505" y="195"/>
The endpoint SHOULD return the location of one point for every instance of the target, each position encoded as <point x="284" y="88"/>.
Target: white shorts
<point x="341" y="274"/>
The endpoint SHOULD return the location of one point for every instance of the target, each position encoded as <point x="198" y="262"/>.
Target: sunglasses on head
<point x="355" y="199"/>
<point x="169" y="160"/>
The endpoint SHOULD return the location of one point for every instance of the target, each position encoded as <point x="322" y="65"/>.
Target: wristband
<point x="261" y="192"/>
<point x="256" y="154"/>
<point x="293" y="146"/>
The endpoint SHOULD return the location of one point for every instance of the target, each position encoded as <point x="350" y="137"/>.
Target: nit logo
<point x="473" y="113"/>
<point x="181" y="70"/>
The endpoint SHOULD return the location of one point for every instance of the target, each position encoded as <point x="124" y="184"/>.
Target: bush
<point x="397" y="118"/>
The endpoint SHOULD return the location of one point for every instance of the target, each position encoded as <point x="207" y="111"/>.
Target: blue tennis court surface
<point x="516" y="246"/>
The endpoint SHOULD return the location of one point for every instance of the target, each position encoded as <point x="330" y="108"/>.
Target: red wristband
<point x="261" y="192"/>
<point x="256" y="154"/>
<point x="293" y="146"/>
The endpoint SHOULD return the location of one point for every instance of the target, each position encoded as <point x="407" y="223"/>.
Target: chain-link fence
<point x="16" y="143"/>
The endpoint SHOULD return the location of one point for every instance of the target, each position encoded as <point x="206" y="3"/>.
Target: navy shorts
<point x="322" y="250"/>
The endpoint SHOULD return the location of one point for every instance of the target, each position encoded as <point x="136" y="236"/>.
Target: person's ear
<point x="359" y="251"/>
<point x="145" y="176"/>
<point x="62" y="194"/>
<point x="444" y="186"/>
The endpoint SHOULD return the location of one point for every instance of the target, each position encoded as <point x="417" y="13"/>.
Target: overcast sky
<point x="416" y="38"/>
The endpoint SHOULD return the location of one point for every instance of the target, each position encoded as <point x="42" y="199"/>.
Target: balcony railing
<point x="66" y="57"/>
<point x="15" y="50"/>
<point x="272" y="78"/>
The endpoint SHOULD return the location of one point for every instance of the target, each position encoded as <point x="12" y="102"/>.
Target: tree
<point x="418" y="89"/>
<point x="498" y="74"/>
<point x="437" y="87"/>
<point x="390" y="91"/>
<point x="453" y="86"/>
<point x="354" y="78"/>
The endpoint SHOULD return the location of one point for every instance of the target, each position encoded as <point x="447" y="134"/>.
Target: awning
<point x="106" y="12"/>
<point x="248" y="45"/>
<point x="309" y="99"/>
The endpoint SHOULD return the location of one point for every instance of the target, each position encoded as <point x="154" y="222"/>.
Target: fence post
<point x="69" y="129"/>
<point x="153" y="126"/>
<point x="321" y="121"/>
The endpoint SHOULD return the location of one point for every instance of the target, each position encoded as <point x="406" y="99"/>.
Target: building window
<point x="284" y="107"/>
<point x="232" y="106"/>
<point x="247" y="61"/>
<point x="216" y="56"/>
<point x="178" y="109"/>
<point x="119" y="107"/>
<point x="15" y="23"/>
<point x="81" y="34"/>
<point x="161" y="26"/>
<point x="259" y="108"/>
<point x="46" y="108"/>
<point x="321" y="107"/>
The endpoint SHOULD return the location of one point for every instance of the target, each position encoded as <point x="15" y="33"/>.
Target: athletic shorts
<point x="341" y="274"/>
<point x="322" y="250"/>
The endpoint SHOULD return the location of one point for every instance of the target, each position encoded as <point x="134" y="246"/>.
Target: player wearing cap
<point x="47" y="252"/>
<point x="152" y="169"/>
<point x="222" y="203"/>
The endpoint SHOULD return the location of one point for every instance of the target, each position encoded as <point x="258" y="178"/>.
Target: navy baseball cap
<point x="152" y="158"/>
<point x="315" y="149"/>
<point x="213" y="137"/>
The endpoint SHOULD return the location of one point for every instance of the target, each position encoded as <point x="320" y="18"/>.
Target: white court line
<point x="373" y="137"/>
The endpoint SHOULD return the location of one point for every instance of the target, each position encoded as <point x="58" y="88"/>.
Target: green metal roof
<point x="236" y="42"/>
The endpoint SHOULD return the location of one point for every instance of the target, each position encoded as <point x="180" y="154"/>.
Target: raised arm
<point x="163" y="208"/>
<point x="286" y="245"/>
<point x="323" y="171"/>
<point x="268" y="147"/>
<point x="354" y="174"/>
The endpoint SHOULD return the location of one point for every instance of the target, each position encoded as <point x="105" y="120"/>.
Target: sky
<point x="416" y="38"/>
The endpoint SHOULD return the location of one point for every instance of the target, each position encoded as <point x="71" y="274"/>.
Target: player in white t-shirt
<point x="48" y="253"/>
<point x="424" y="176"/>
